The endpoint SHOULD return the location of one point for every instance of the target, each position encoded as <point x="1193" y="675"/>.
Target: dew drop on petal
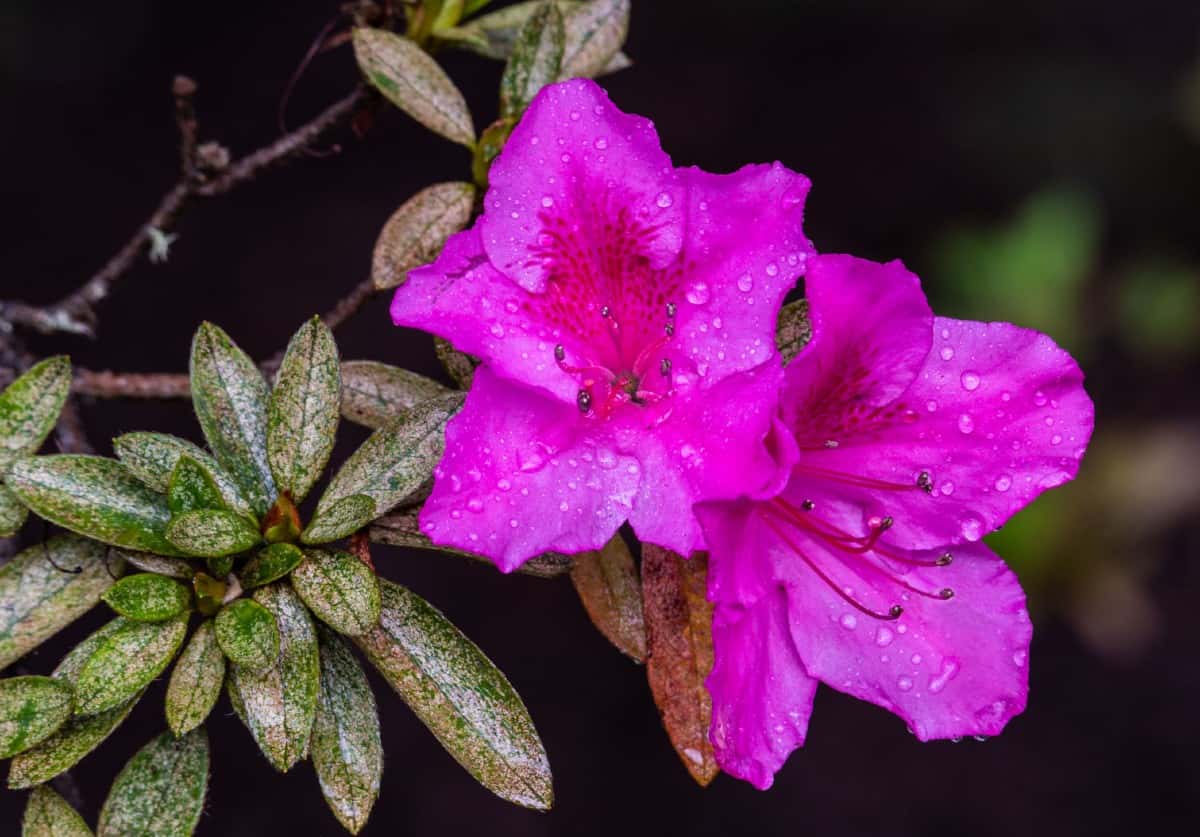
<point x="931" y="406"/>
<point x="947" y="353"/>
<point x="475" y="504"/>
<point x="1039" y="398"/>
<point x="497" y="330"/>
<point x="547" y="201"/>
<point x="745" y="283"/>
<point x="849" y="621"/>
<point x="601" y="143"/>
<point x="972" y="528"/>
<point x="606" y="459"/>
<point x="884" y="636"/>
<point x="772" y="270"/>
<point x="698" y="293"/>
<point x="970" y="381"/>
<point x="1056" y="439"/>
<point x="663" y="200"/>
<point x="1003" y="483"/>
<point x="503" y="484"/>
<point x="904" y="683"/>
<point x="966" y="424"/>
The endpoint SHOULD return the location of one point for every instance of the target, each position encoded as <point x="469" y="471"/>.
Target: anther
<point x="946" y="593"/>
<point x="669" y="329"/>
<point x="808" y="505"/>
<point x="895" y="611"/>
<point x="605" y="311"/>
<point x="665" y="367"/>
<point x="881" y="524"/>
<point x="671" y="310"/>
<point x="831" y="444"/>
<point x="560" y="353"/>
<point x="944" y="559"/>
<point x="584" y="400"/>
<point x="925" y="482"/>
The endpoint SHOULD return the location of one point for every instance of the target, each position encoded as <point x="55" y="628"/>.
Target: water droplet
<point x="497" y="330"/>
<point x="1006" y="396"/>
<point x="601" y="143"/>
<point x="513" y="522"/>
<point x="606" y="459"/>
<point x="547" y="201"/>
<point x="916" y="659"/>
<point x="698" y="293"/>
<point x="947" y="488"/>
<point x="745" y="283"/>
<point x="966" y="424"/>
<point x="772" y="270"/>
<point x="1019" y="658"/>
<point x="503" y="485"/>
<point x="931" y="406"/>
<point x="475" y="504"/>
<point x="1056" y="439"/>
<point x="532" y="461"/>
<point x="1039" y="398"/>
<point x="970" y="381"/>
<point x="574" y="116"/>
<point x="663" y="200"/>
<point x="947" y="353"/>
<point x="562" y="507"/>
<point x="972" y="528"/>
<point x="949" y="671"/>
<point x="848" y="621"/>
<point x="904" y="683"/>
<point x="1003" y="483"/>
<point x="884" y="636"/>
<point x="566" y="158"/>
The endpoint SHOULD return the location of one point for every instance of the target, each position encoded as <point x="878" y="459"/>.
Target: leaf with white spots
<point x="191" y="487"/>
<point x="125" y="661"/>
<point x="305" y="406"/>
<point x="794" y="329"/>
<point x="595" y="32"/>
<point x="414" y="82"/>
<point x="458" y="365"/>
<point x="278" y="704"/>
<point x="460" y="695"/>
<point x="32" y="708"/>
<point x="212" y="533"/>
<point x="160" y="791"/>
<point x="196" y="681"/>
<point x="248" y="635"/>
<point x="346" y="748"/>
<point x="49" y="815"/>
<point x="536" y="59"/>
<point x="230" y="397"/>
<point x="38" y="599"/>
<point x="340" y="589"/>
<point x="96" y="497"/>
<point x="270" y="564"/>
<point x="29" y="407"/>
<point x="416" y="232"/>
<point x="392" y="464"/>
<point x="153" y="457"/>
<point x="375" y="393"/>
<point x="146" y="597"/>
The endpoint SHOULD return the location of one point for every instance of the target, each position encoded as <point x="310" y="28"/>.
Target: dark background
<point x="1033" y="161"/>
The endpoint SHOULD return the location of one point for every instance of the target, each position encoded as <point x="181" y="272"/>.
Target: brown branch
<point x="130" y="385"/>
<point x="74" y="313"/>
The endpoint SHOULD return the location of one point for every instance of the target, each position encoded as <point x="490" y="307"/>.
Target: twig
<point x="129" y="385"/>
<point x="74" y="313"/>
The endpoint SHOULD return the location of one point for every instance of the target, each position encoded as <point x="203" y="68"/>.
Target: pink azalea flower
<point x="911" y="437"/>
<point x="624" y="311"/>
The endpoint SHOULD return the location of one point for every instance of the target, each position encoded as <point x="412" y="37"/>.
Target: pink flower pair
<point x="625" y="313"/>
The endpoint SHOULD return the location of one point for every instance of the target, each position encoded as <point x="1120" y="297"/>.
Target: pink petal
<point x="997" y="415"/>
<point x="462" y="298"/>
<point x="521" y="475"/>
<point x="761" y="695"/>
<point x="744" y="251"/>
<point x="871" y="333"/>
<point x="949" y="668"/>
<point x="712" y="446"/>
<point x="575" y="170"/>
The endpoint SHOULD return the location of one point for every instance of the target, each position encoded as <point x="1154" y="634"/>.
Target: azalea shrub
<point x="762" y="466"/>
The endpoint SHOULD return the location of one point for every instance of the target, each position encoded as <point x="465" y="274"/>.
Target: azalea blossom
<point x="910" y="437"/>
<point x="624" y="311"/>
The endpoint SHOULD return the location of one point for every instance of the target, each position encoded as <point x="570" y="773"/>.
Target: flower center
<point x="865" y="555"/>
<point x="641" y="374"/>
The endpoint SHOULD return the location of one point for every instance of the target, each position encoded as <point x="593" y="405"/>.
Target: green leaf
<point x="38" y="599"/>
<point x="191" y="488"/>
<point x="375" y="393"/>
<point x="464" y="700"/>
<point x="79" y="736"/>
<point x="403" y="529"/>
<point x="31" y="710"/>
<point x="219" y="566"/>
<point x="230" y="398"/>
<point x="491" y="143"/>
<point x="495" y="34"/>
<point x="459" y="365"/>
<point x="536" y="60"/>
<point x="278" y="705"/>
<point x="346" y="748"/>
<point x="303" y="417"/>
<point x="196" y="681"/>
<point x="212" y="533"/>
<point x="12" y="512"/>
<point x="392" y="464"/>
<point x="272" y="563"/>
<point x="49" y="815"/>
<point x="125" y="662"/>
<point x="607" y="584"/>
<point x="96" y="497"/>
<point x="152" y="457"/>
<point x="414" y="82"/>
<point x="158" y="564"/>
<point x="595" y="32"/>
<point x="248" y="634"/>
<point x="29" y="407"/>
<point x="416" y="232"/>
<point x="343" y="518"/>
<point x="146" y="597"/>
<point x="160" y="791"/>
<point x="794" y="329"/>
<point x="470" y="7"/>
<point x="340" y="589"/>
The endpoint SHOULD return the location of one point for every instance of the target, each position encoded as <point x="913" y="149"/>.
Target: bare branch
<point x="130" y="385"/>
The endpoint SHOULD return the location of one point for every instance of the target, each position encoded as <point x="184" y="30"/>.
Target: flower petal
<point x="520" y="476"/>
<point x="745" y="250"/>
<point x="761" y="695"/>
<point x="871" y="332"/>
<point x="997" y="415"/>
<point x="712" y="446"/>
<point x="949" y="668"/>
<point x="576" y="176"/>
